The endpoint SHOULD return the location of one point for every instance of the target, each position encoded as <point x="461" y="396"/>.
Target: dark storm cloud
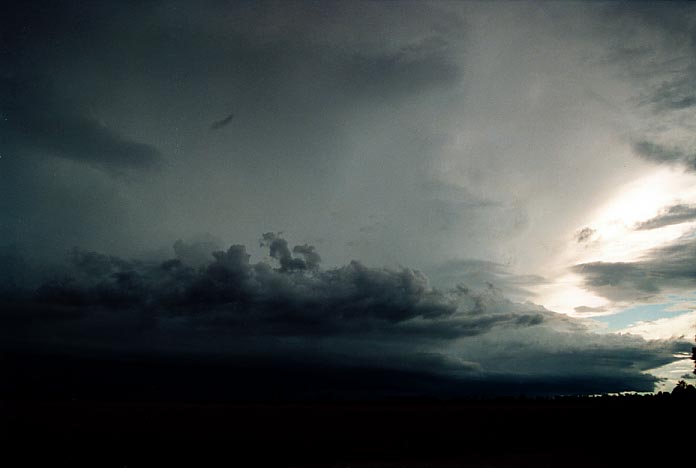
<point x="256" y="298"/>
<point x="355" y="316"/>
<point x="35" y="122"/>
<point x="311" y="256"/>
<point x="130" y="87"/>
<point x="278" y="249"/>
<point x="604" y="355"/>
<point x="675" y="214"/>
<point x="54" y="133"/>
<point x="338" y="107"/>
<point x="36" y="116"/>
<point x="198" y="251"/>
<point x="665" y="269"/>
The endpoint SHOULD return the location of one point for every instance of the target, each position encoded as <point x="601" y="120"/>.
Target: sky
<point x="471" y="196"/>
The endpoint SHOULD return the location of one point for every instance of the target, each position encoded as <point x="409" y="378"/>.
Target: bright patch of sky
<point x="680" y="326"/>
<point x="674" y="372"/>
<point x="611" y="236"/>
<point x="641" y="313"/>
<point x="676" y="321"/>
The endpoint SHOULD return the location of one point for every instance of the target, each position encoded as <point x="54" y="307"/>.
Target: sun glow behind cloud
<point x="611" y="236"/>
<point x="617" y="239"/>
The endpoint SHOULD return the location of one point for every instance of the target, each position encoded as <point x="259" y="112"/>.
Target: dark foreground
<point x="607" y="431"/>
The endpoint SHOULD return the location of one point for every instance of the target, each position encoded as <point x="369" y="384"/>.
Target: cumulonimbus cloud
<point x="353" y="315"/>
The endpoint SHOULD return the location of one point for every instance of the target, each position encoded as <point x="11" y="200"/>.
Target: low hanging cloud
<point x="675" y="214"/>
<point x="36" y="122"/>
<point x="279" y="250"/>
<point x="355" y="317"/>
<point x="662" y="270"/>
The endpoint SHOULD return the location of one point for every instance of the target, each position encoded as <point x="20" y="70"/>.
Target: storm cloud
<point x="33" y="121"/>
<point x="467" y="141"/>
<point x="660" y="271"/>
<point x="354" y="315"/>
<point x="37" y="115"/>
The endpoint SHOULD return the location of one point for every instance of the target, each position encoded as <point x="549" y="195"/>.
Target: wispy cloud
<point x="676" y="214"/>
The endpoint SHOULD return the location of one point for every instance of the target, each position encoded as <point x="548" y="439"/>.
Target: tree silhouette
<point x="684" y="390"/>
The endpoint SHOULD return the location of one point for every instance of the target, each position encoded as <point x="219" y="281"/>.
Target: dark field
<point x="58" y="410"/>
<point x="606" y="431"/>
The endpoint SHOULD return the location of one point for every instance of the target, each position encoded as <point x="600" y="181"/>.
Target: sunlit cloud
<point x="679" y="327"/>
<point x="611" y="235"/>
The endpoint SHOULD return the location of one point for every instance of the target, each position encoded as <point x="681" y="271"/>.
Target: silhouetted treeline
<point x="103" y="429"/>
<point x="516" y="431"/>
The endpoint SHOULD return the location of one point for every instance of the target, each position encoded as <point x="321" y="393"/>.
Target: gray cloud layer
<point x="365" y="317"/>
<point x="662" y="154"/>
<point x="662" y="270"/>
<point x="659" y="61"/>
<point x="119" y="86"/>
<point x="675" y="214"/>
<point x="449" y="127"/>
<point x="37" y="115"/>
<point x="410" y="133"/>
<point x="33" y="122"/>
<point x="482" y="275"/>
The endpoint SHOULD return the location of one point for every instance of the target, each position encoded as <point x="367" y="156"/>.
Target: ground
<point x="608" y="431"/>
